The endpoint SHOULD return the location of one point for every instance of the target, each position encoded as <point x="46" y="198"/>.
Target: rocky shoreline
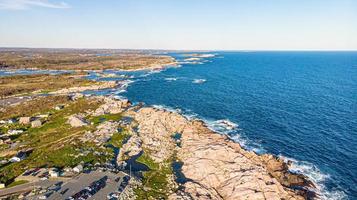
<point x="214" y="166"/>
<point x="182" y="158"/>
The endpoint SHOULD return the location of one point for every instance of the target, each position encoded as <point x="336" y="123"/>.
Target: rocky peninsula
<point x="214" y="166"/>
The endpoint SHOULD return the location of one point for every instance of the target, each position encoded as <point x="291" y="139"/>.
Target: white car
<point x="113" y="195"/>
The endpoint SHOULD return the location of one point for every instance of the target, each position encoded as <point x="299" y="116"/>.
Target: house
<point x="2" y="185"/>
<point x="3" y="162"/>
<point x="19" y="157"/>
<point x="53" y="173"/>
<point x="36" y="123"/>
<point x="24" y="120"/>
<point x="78" y="168"/>
<point x="14" y="132"/>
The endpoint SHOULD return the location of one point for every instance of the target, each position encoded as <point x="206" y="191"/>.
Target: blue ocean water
<point x="299" y="105"/>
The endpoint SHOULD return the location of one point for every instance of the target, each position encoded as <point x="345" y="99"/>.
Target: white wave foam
<point x="171" y="79"/>
<point x="237" y="138"/>
<point x="144" y="75"/>
<point x="108" y="75"/>
<point x="227" y="124"/>
<point x="210" y="55"/>
<point x="119" y="91"/>
<point x="192" y="59"/>
<point x="155" y="71"/>
<point x="125" y="83"/>
<point x="190" y="115"/>
<point x="118" y="97"/>
<point x="148" y="73"/>
<point x="316" y="176"/>
<point x="221" y="126"/>
<point x="198" y="81"/>
<point x="191" y="62"/>
<point x="231" y="129"/>
<point x="122" y="86"/>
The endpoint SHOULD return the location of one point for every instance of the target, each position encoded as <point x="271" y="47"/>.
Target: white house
<point x="53" y="173"/>
<point x="14" y="132"/>
<point x="78" y="168"/>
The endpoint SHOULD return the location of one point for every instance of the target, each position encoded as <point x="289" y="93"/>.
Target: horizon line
<point x="162" y="49"/>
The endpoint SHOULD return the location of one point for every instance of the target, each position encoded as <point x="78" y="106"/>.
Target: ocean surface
<point x="301" y="106"/>
<point x="297" y="105"/>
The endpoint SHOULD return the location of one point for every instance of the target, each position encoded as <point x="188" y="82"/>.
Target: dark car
<point x="64" y="191"/>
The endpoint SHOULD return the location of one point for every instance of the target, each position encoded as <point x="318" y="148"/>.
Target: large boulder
<point x="77" y="120"/>
<point x="156" y="130"/>
<point x="112" y="106"/>
<point x="103" y="133"/>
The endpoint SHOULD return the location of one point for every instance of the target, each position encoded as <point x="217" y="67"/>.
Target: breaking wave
<point x="198" y="81"/>
<point x="222" y="126"/>
<point x="316" y="176"/>
<point x="125" y="83"/>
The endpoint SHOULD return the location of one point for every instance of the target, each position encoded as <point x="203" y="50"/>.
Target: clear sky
<point x="180" y="24"/>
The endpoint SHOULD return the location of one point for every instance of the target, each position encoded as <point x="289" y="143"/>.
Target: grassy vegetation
<point x="12" y="85"/>
<point x="15" y="183"/>
<point x="146" y="160"/>
<point x="118" y="139"/>
<point x="79" y="59"/>
<point x="35" y="106"/>
<point x="15" y="126"/>
<point x="54" y="144"/>
<point x="107" y="117"/>
<point x="155" y="180"/>
<point x="70" y="155"/>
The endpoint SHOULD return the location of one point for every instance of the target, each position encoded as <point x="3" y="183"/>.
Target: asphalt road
<point x="25" y="187"/>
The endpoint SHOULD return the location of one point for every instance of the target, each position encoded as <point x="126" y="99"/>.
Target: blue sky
<point x="180" y="24"/>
